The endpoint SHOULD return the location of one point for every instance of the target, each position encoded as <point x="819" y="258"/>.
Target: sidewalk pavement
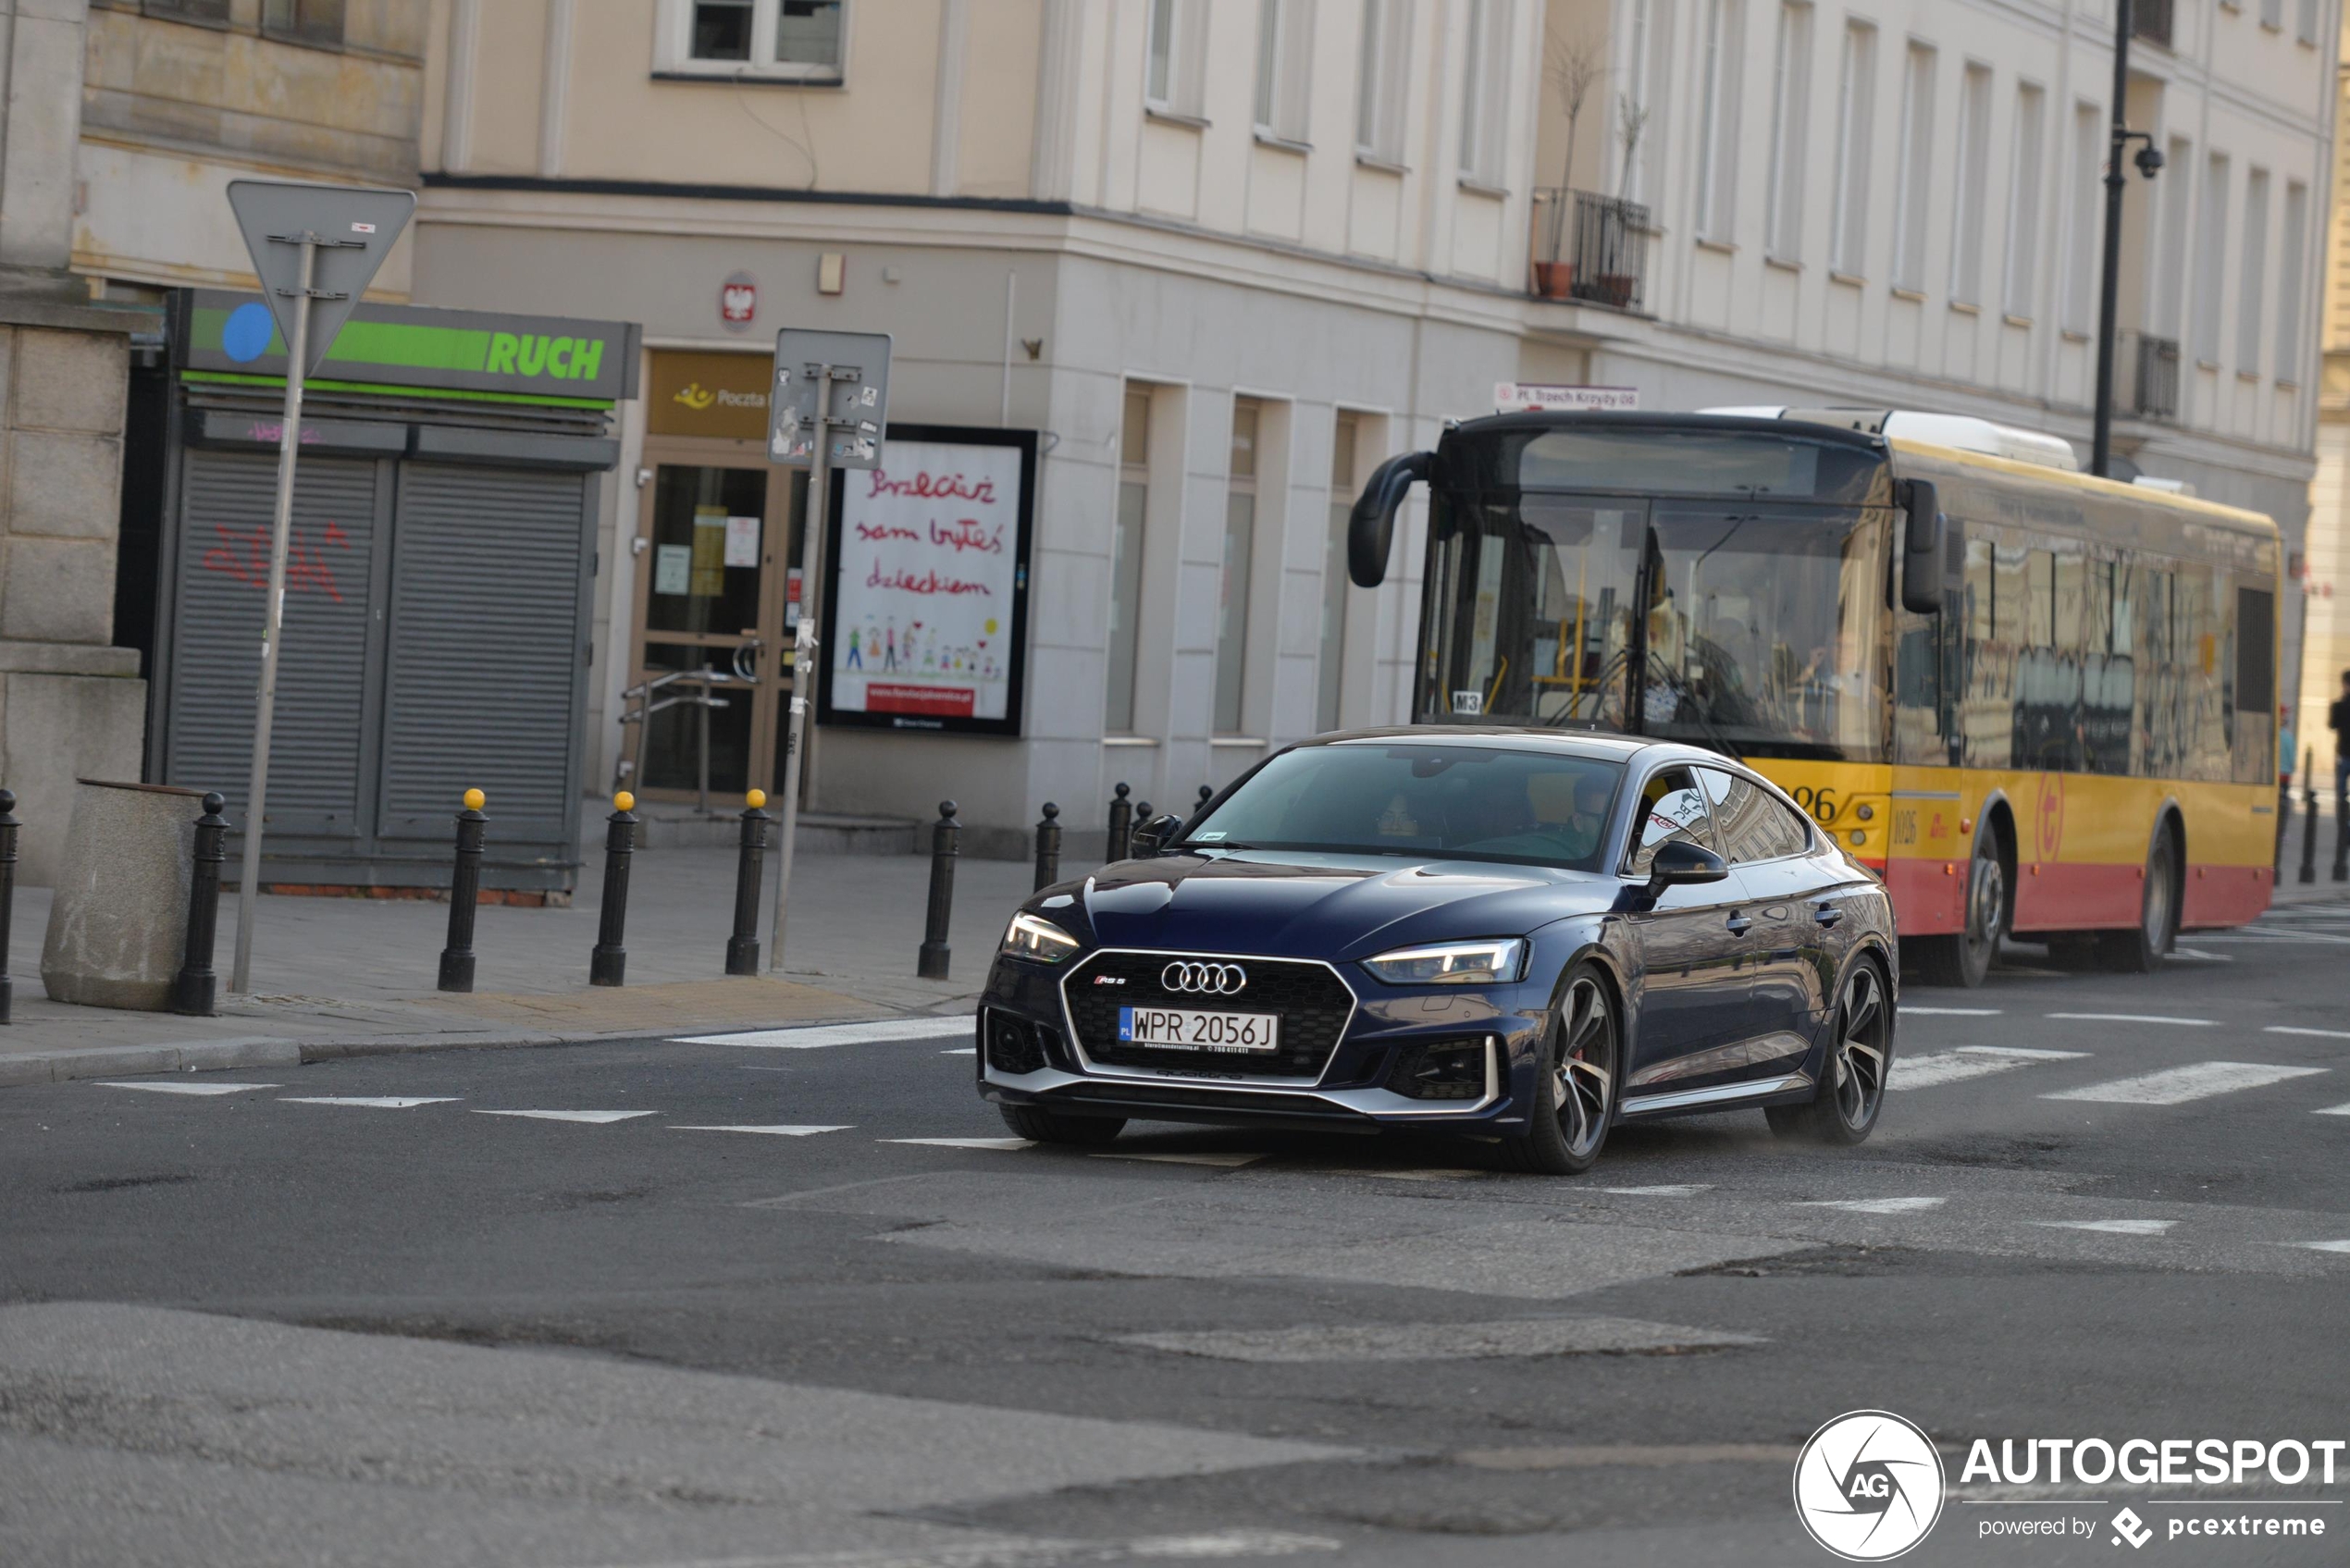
<point x="347" y="976"/>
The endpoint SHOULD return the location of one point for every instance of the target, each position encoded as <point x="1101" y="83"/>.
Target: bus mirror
<point x="1371" y="526"/>
<point x="1922" y="550"/>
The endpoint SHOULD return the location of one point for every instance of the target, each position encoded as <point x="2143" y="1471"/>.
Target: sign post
<point x="829" y="409"/>
<point x="315" y="249"/>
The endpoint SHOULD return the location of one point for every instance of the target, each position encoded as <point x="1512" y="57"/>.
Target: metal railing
<point x="2155" y="379"/>
<point x="1589" y="247"/>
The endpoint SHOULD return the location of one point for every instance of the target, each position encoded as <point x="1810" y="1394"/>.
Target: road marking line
<point x="193" y="1088"/>
<point x="2321" y="1246"/>
<point x="2110" y="1227"/>
<point x="1876" y="1205"/>
<point x="1955" y="1012"/>
<point x="2136" y="1018"/>
<point x="2200" y="956"/>
<point x="962" y="1142"/>
<point x="778" y="1131"/>
<point x="2333" y="1111"/>
<point x="1441" y="1341"/>
<point x="961" y="1051"/>
<point x="1968" y="1062"/>
<point x="1231" y="1160"/>
<point x="1664" y="1190"/>
<point x="2176" y="1086"/>
<point x="834" y="1034"/>
<point x="372" y="1101"/>
<point x="1445" y="1174"/>
<point x="598" y="1117"/>
<point x="2319" y="1033"/>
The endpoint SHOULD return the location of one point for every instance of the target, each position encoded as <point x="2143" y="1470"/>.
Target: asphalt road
<point x="284" y="1324"/>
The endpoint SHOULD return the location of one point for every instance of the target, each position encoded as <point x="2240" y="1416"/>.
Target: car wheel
<point x="1964" y="959"/>
<point x="1040" y="1126"/>
<point x="1574" y="1093"/>
<point x="2140" y="950"/>
<point x="1851" y="1089"/>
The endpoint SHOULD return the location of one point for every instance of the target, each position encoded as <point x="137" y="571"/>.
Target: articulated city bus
<point x="2036" y="703"/>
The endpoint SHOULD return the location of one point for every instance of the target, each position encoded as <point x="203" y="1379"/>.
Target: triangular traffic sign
<point x="355" y="224"/>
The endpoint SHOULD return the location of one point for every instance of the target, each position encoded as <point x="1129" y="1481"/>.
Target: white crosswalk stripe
<point x="1876" y="1205"/>
<point x="2178" y="1086"/>
<point x="1938" y="1068"/>
<point x="170" y="1088"/>
<point x="2110" y="1227"/>
<point x="834" y="1034"/>
<point x="962" y="1142"/>
<point x="596" y="1117"/>
<point x="371" y="1102"/>
<point x="2138" y="1018"/>
<point x="780" y="1132"/>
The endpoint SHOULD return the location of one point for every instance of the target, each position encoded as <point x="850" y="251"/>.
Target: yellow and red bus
<point x="2038" y="704"/>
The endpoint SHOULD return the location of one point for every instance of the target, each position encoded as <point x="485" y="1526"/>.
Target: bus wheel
<point x="1964" y="960"/>
<point x="2140" y="950"/>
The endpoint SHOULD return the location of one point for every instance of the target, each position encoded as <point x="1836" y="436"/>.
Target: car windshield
<point x="1459" y="802"/>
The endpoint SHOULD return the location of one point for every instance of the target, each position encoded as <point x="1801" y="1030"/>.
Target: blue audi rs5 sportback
<point x="1522" y="936"/>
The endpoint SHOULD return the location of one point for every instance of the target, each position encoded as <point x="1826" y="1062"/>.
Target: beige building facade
<point x="2326" y="585"/>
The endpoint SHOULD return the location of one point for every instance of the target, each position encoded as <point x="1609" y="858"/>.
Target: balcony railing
<point x="1589" y="247"/>
<point x="2150" y="19"/>
<point x="2154" y="379"/>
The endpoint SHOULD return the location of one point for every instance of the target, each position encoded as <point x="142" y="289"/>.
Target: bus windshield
<point x="1754" y="627"/>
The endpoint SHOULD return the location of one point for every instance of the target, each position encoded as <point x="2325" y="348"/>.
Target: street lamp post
<point x="2148" y="160"/>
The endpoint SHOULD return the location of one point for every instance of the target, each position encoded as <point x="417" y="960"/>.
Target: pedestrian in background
<point x="2338" y="720"/>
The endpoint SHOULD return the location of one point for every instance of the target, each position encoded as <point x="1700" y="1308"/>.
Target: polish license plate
<point x="1180" y="1029"/>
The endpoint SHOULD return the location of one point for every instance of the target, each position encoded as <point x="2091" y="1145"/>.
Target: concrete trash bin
<point x="118" y="921"/>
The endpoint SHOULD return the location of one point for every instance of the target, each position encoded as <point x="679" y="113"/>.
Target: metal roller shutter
<point x="486" y="650"/>
<point x="223" y="582"/>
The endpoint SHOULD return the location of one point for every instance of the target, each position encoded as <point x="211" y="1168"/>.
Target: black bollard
<point x="465" y="890"/>
<point x="2310" y="822"/>
<point x="931" y="961"/>
<point x="742" y="948"/>
<point x="608" y="963"/>
<point x="1121" y="824"/>
<point x="2340" y="832"/>
<point x="192" y="990"/>
<point x="7" y="892"/>
<point x="1048" y="848"/>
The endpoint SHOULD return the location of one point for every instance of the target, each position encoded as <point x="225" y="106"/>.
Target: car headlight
<point x="1451" y="963"/>
<point x="1033" y="936"/>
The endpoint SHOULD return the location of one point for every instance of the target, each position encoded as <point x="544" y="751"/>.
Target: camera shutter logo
<point x="1214" y="979"/>
<point x="1868" y="1485"/>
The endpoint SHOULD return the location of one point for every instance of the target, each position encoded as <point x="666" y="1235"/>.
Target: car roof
<point x="1596" y="744"/>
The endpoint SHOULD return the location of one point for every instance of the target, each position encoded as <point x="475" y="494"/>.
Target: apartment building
<point x="2326" y="583"/>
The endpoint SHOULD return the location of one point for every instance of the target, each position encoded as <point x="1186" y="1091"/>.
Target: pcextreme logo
<point x="1868" y="1485"/>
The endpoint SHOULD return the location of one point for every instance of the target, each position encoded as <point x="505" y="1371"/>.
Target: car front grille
<point x="1313" y="1004"/>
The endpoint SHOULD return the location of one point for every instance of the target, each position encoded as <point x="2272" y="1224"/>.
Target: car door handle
<point x="1827" y="914"/>
<point x="1738" y="924"/>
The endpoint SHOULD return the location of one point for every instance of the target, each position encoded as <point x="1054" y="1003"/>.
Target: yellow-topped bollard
<point x="742" y="947"/>
<point x="474" y="799"/>
<point x="755" y="799"/>
<point x="623" y="801"/>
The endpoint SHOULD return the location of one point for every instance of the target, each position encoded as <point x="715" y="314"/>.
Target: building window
<point x="1173" y="77"/>
<point x="318" y="23"/>
<point x="1791" y="133"/>
<point x="2272" y="15"/>
<point x="1331" y="673"/>
<point x="785" y="40"/>
<point x="1635" y="107"/>
<point x="2170" y="256"/>
<point x="1485" y="92"/>
<point x="2088" y="208"/>
<point x="1284" y="67"/>
<point x="1974" y="171"/>
<point x="2252" y="285"/>
<point x="2295" y="240"/>
<point x="1855" y="115"/>
<point x="1917" y="168"/>
<point x="2024" y="197"/>
<point x="209" y="12"/>
<point x="2305" y="26"/>
<point x="1239" y="550"/>
<point x="1126" y="562"/>
<point x="1379" y="80"/>
<point x="1721" y="57"/>
<point x="2211" y="257"/>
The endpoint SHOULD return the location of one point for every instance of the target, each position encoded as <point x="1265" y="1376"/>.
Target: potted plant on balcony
<point x="1572" y="67"/>
<point x="1610" y="285"/>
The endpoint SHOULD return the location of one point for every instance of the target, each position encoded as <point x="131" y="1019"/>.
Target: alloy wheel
<point x="1862" y="1033"/>
<point x="1586" y="1071"/>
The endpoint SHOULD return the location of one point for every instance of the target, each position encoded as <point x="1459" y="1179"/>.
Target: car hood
<point x="1338" y="907"/>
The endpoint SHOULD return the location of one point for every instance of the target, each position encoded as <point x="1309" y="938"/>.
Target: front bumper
<point x="1350" y="1090"/>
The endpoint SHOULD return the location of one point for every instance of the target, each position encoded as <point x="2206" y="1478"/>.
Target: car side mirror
<point x="1683" y="864"/>
<point x="1921" y="550"/>
<point x="1152" y="836"/>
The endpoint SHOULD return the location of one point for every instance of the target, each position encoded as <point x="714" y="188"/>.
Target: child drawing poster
<point x="927" y="615"/>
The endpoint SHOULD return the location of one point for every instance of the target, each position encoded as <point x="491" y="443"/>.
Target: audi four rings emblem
<point x="1218" y="979"/>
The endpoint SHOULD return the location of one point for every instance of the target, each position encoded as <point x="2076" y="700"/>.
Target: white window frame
<point x="2211" y="258"/>
<point x="1855" y="138"/>
<point x="1791" y="133"/>
<point x="2027" y="173"/>
<point x="1973" y="185"/>
<point x="1485" y="93"/>
<point x="2077" y="310"/>
<point x="1183" y="94"/>
<point x="2251" y="285"/>
<point x="1721" y="57"/>
<point x="673" y="38"/>
<point x="1381" y="82"/>
<point x="1284" y="71"/>
<point x="1921" y="63"/>
<point x="2294" y="247"/>
<point x="2174" y="254"/>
